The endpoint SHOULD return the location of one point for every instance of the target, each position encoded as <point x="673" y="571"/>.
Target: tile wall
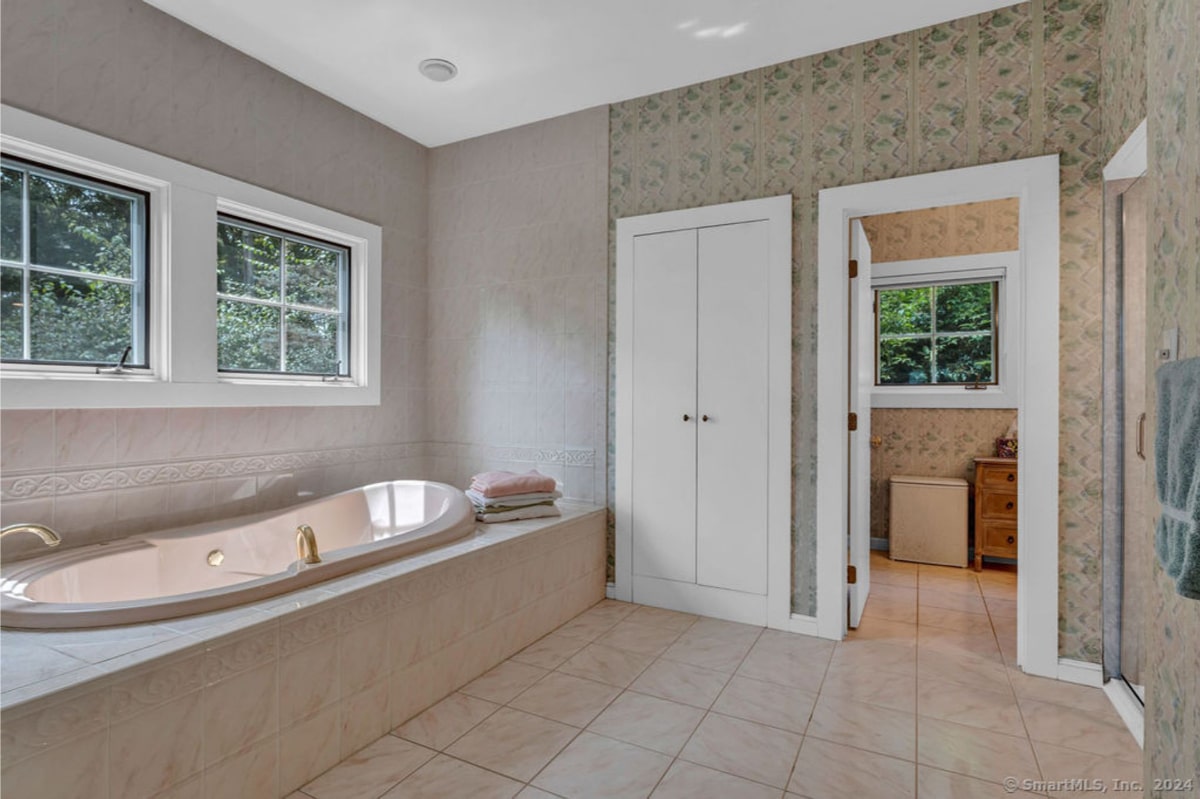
<point x="518" y="303"/>
<point x="123" y="69"/>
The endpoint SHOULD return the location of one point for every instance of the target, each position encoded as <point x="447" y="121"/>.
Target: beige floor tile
<point x="893" y="632"/>
<point x="901" y="658"/>
<point x="588" y="627"/>
<point x="977" y="753"/>
<point x="973" y="706"/>
<point x="873" y="685"/>
<point x="798" y="662"/>
<point x="965" y="603"/>
<point x="956" y="620"/>
<point x="681" y="682"/>
<point x="445" y="777"/>
<point x="896" y="577"/>
<point x="571" y="700"/>
<point x="934" y="783"/>
<point x="766" y="703"/>
<point x="878" y="607"/>
<point x="903" y="595"/>
<point x="550" y="652"/>
<point x="1060" y="764"/>
<point x="690" y="781"/>
<point x="504" y="682"/>
<point x="870" y="727"/>
<point x="370" y="771"/>
<point x="661" y="617"/>
<point x="712" y="647"/>
<point x="649" y="722"/>
<point x="1042" y="689"/>
<point x="642" y="639"/>
<point x="827" y="770"/>
<point x="535" y="793"/>
<point x="606" y="664"/>
<point x="445" y="722"/>
<point x="964" y="584"/>
<point x="1000" y="607"/>
<point x="745" y="749"/>
<point x="1096" y="733"/>
<point x="964" y="669"/>
<point x="999" y="590"/>
<point x="513" y="743"/>
<point x="594" y="767"/>
<point x="980" y="643"/>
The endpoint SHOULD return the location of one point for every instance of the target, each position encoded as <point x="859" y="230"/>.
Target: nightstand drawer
<point x="1000" y="540"/>
<point x="999" y="506"/>
<point x="998" y="477"/>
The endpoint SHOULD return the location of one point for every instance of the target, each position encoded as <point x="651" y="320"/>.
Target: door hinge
<point x="851" y="575"/>
<point x="852" y="421"/>
<point x="853" y="268"/>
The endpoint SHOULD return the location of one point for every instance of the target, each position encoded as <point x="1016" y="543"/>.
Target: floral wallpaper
<point x="1011" y="83"/>
<point x="1172" y="85"/>
<point x="964" y="229"/>
<point x="936" y="442"/>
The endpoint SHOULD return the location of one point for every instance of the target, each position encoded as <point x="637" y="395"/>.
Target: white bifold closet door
<point x="700" y="380"/>
<point x="731" y="388"/>
<point x="664" y="389"/>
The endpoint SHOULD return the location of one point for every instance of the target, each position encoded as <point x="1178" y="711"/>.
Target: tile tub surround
<point x="263" y="699"/>
<point x="517" y="308"/>
<point x="686" y="707"/>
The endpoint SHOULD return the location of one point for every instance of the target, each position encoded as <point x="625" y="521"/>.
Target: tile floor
<point x="922" y="700"/>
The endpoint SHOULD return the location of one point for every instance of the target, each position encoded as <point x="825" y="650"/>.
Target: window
<point x="72" y="269"/>
<point x="942" y="334"/>
<point x="282" y="302"/>
<point x="225" y="294"/>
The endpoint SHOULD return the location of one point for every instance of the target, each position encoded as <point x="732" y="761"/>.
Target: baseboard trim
<point x="610" y="590"/>
<point x="879" y="544"/>
<point x="1080" y="672"/>
<point x="804" y="625"/>
<point x="1128" y="708"/>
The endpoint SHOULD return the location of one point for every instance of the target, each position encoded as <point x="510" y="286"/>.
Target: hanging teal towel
<point x="1177" y="473"/>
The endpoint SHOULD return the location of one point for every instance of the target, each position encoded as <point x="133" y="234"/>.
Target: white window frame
<point x="181" y="267"/>
<point x="1000" y="267"/>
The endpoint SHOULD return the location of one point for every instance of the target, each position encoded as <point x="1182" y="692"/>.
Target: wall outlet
<point x="1169" y="350"/>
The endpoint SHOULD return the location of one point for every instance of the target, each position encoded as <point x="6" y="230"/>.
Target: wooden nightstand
<point x="995" y="509"/>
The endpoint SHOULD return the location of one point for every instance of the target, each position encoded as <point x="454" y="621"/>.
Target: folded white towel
<point x="533" y="512"/>
<point x="514" y="499"/>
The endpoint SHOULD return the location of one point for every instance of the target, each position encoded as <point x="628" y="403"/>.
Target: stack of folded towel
<point x="508" y="496"/>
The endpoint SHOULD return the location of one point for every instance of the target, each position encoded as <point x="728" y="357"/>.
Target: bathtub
<point x="218" y="565"/>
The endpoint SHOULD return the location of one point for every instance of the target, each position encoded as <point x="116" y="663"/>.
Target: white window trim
<point x="181" y="265"/>
<point x="1004" y="267"/>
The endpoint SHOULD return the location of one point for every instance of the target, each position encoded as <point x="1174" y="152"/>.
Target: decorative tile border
<point x="109" y="478"/>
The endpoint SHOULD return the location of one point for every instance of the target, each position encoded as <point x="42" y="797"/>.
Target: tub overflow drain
<point x="216" y="557"/>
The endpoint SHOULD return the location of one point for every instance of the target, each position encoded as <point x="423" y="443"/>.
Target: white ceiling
<point x="524" y="60"/>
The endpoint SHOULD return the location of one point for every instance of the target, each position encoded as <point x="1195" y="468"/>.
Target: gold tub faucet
<point x="306" y="545"/>
<point x="48" y="536"/>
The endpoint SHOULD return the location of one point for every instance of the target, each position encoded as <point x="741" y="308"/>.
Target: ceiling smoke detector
<point x="437" y="69"/>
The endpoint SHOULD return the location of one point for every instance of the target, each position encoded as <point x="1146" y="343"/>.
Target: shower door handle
<point x="1141" y="436"/>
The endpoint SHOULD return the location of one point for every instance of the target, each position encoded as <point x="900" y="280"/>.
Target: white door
<point x="731" y="389"/>
<point x="664" y="402"/>
<point x="862" y="381"/>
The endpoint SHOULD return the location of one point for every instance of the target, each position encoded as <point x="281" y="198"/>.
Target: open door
<point x="862" y="380"/>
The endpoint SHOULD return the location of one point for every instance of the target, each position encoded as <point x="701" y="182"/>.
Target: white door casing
<point x="862" y="381"/>
<point x="1035" y="182"/>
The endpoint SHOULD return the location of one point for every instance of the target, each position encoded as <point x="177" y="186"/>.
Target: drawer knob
<point x="1008" y="506"/>
<point x="1012" y="539"/>
<point x="1011" y="477"/>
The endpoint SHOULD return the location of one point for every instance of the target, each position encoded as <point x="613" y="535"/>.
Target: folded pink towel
<point x="503" y="484"/>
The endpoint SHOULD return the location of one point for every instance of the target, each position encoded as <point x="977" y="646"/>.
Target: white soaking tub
<point x="218" y="565"/>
